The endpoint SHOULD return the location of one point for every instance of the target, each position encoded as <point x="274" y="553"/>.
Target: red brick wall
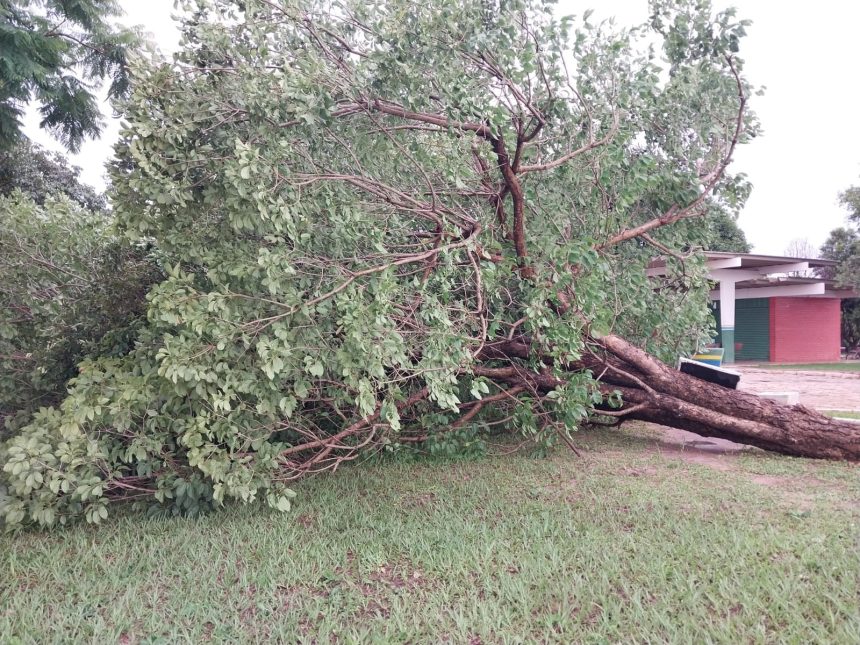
<point x="804" y="330"/>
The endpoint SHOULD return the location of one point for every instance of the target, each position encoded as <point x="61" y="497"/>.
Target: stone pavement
<point x="820" y="390"/>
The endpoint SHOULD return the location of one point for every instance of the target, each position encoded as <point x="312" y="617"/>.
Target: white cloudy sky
<point x="806" y="55"/>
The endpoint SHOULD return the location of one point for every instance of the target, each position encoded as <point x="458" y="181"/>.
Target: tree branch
<point x="676" y="213"/>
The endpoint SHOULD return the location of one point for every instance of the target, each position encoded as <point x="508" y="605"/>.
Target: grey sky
<point x="805" y="54"/>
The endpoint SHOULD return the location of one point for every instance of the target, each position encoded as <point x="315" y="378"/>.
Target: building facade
<point x="771" y="308"/>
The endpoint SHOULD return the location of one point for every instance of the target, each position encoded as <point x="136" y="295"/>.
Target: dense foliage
<point x="71" y="289"/>
<point x="726" y="235"/>
<point x="50" y="52"/>
<point x="389" y="224"/>
<point x="40" y="174"/>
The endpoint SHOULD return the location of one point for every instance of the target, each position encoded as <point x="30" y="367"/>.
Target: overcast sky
<point x="807" y="56"/>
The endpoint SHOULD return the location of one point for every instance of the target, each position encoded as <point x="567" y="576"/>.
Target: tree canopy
<point x="395" y="224"/>
<point x="71" y="286"/>
<point x="850" y="199"/>
<point x="71" y="289"/>
<point x="41" y="174"/>
<point x="843" y="246"/>
<point x="50" y="52"/>
<point x="726" y="234"/>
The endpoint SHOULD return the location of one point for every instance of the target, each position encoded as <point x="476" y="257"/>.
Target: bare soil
<point x="721" y="455"/>
<point x="693" y="448"/>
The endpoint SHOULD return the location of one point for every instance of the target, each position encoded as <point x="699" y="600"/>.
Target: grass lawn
<point x="844" y="414"/>
<point x="631" y="542"/>
<point x="841" y="366"/>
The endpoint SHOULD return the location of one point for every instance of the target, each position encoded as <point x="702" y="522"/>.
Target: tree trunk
<point x="656" y="393"/>
<point x="659" y="394"/>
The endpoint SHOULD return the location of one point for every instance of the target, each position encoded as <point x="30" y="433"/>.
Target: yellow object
<point x="710" y="356"/>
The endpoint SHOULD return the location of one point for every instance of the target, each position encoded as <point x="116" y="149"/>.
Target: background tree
<point x="396" y="223"/>
<point x="40" y="174"/>
<point x="71" y="289"/>
<point x="850" y="199"/>
<point x="50" y="53"/>
<point x="801" y="247"/>
<point x="726" y="235"/>
<point x="843" y="246"/>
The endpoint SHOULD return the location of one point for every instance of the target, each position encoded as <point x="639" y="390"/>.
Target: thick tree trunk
<point x="654" y="392"/>
<point x="791" y="430"/>
<point x="659" y="394"/>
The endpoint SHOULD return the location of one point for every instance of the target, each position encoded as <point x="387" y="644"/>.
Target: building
<point x="772" y="308"/>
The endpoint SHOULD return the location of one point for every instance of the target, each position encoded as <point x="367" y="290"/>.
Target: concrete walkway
<point x="820" y="390"/>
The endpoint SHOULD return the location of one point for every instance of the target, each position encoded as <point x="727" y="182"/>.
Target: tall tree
<point x="843" y="246"/>
<point x="50" y="53"/>
<point x="389" y="222"/>
<point x="726" y="235"/>
<point x="850" y="199"/>
<point x="41" y="175"/>
<point x="801" y="247"/>
<point x="71" y="287"/>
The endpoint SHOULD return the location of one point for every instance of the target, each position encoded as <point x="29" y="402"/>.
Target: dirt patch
<point x="674" y="439"/>
<point x="717" y="461"/>
<point x="693" y="456"/>
<point x="769" y="481"/>
<point x="377" y="588"/>
<point x="804" y="492"/>
<point x="421" y="500"/>
<point x="721" y="455"/>
<point x="649" y="439"/>
<point x="800" y="493"/>
<point x="306" y="521"/>
<point x="691" y="448"/>
<point x="397" y="578"/>
<point x="639" y="472"/>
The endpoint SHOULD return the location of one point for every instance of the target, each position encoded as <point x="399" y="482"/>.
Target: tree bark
<point x="790" y="430"/>
<point x="682" y="401"/>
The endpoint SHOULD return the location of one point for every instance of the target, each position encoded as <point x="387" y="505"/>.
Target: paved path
<point x="821" y="390"/>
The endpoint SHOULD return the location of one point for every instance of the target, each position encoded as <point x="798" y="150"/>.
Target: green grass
<point x="629" y="543"/>
<point x="844" y="414"/>
<point x="842" y="366"/>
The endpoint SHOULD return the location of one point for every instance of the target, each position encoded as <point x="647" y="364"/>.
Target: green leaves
<point x="314" y="367"/>
<point x="324" y="190"/>
<point x="280" y="499"/>
<point x="51" y="54"/>
<point x="71" y="289"/>
<point x="95" y="513"/>
<point x="366" y="399"/>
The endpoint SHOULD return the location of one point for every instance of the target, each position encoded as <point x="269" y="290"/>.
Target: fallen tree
<point x="654" y="392"/>
<point x="399" y="224"/>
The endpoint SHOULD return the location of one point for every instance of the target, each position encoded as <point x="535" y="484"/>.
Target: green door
<point x="752" y="328"/>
